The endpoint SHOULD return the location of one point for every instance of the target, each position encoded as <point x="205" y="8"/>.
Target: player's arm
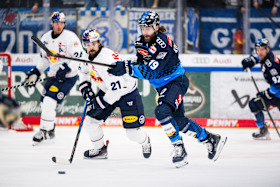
<point x="84" y="79"/>
<point x="249" y="62"/>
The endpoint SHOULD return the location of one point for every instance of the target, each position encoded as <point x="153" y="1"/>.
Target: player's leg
<point x="53" y="94"/>
<point x="94" y="130"/>
<point x="133" y="119"/>
<point x="257" y="108"/>
<point x="214" y="142"/>
<point x="170" y="97"/>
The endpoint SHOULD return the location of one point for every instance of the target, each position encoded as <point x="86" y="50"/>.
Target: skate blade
<point x="44" y="142"/>
<point x="97" y="157"/>
<point x="220" y="147"/>
<point x="181" y="164"/>
<point x="263" y="138"/>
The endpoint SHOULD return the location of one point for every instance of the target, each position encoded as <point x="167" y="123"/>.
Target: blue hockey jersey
<point x="271" y="72"/>
<point x="157" y="61"/>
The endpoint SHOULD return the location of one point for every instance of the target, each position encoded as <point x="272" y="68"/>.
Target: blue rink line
<point x="187" y="69"/>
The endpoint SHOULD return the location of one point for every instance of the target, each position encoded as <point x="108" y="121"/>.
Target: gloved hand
<point x="32" y="77"/>
<point x="61" y="73"/>
<point x="85" y="88"/>
<point x="121" y="68"/>
<point x="265" y="94"/>
<point x="249" y="62"/>
<point x="96" y="106"/>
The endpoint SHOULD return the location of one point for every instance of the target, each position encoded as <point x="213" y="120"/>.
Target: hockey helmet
<point x="262" y="43"/>
<point x="58" y="16"/>
<point x="90" y="35"/>
<point x="149" y="18"/>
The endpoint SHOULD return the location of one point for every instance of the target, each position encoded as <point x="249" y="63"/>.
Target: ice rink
<point x="243" y="162"/>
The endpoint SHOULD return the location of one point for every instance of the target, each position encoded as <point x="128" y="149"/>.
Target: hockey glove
<point x="96" y="106"/>
<point x="85" y="88"/>
<point x="265" y="94"/>
<point x="61" y="73"/>
<point x="9" y="111"/>
<point x="32" y="77"/>
<point x="121" y="68"/>
<point x="249" y="62"/>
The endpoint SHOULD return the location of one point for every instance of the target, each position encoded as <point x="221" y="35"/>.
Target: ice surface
<point x="243" y="162"/>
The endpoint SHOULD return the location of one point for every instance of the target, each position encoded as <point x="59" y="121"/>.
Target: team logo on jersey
<point x="61" y="48"/>
<point x="95" y="78"/>
<point x="53" y="89"/>
<point x="115" y="55"/>
<point x="51" y="58"/>
<point x="179" y="100"/>
<point x="169" y="41"/>
<point x="152" y="49"/>
<point x="142" y="52"/>
<point x="130" y="119"/>
<point x="160" y="42"/>
<point x="161" y="55"/>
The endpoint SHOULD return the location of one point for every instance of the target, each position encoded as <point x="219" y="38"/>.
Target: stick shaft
<point x="79" y="130"/>
<point x="41" y="45"/>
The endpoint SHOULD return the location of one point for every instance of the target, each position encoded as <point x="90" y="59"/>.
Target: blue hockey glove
<point x="249" y="62"/>
<point x="265" y="94"/>
<point x="85" y="88"/>
<point x="96" y="106"/>
<point x="61" y="73"/>
<point x="32" y="77"/>
<point x="121" y="68"/>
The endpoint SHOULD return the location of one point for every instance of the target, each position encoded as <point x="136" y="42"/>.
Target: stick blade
<point x="61" y="160"/>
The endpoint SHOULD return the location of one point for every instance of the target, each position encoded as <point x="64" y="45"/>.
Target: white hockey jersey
<point x="66" y="44"/>
<point x="114" y="87"/>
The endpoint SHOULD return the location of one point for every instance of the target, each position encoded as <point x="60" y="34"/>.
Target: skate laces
<point x="146" y="148"/>
<point x="93" y="152"/>
<point x="178" y="150"/>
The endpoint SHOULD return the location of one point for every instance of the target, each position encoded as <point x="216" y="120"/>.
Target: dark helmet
<point x="262" y="43"/>
<point x="149" y="18"/>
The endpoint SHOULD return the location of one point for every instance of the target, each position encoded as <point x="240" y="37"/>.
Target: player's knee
<point x="254" y="106"/>
<point x="163" y="111"/>
<point x="137" y="135"/>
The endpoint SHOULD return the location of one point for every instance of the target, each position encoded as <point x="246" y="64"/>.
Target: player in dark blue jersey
<point x="271" y="96"/>
<point x="158" y="62"/>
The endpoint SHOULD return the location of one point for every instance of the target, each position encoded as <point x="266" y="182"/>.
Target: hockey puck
<point x="61" y="172"/>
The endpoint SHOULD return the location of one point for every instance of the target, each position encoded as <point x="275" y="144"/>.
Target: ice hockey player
<point x="271" y="71"/>
<point x="63" y="73"/>
<point x="158" y="62"/>
<point x="114" y="92"/>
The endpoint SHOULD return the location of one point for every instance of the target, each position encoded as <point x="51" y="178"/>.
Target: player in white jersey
<point x="63" y="72"/>
<point x="114" y="92"/>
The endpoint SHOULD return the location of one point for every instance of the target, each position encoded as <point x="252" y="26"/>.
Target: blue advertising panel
<point x="219" y="25"/>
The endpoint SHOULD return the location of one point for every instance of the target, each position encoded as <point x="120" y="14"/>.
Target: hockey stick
<point x="265" y="107"/>
<point x="266" y="15"/>
<point x="69" y="161"/>
<point x="41" y="45"/>
<point x="25" y="84"/>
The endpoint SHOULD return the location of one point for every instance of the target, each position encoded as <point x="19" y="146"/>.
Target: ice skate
<point x="43" y="136"/>
<point x="147" y="149"/>
<point x="215" y="144"/>
<point x="97" y="153"/>
<point x="179" y="154"/>
<point x="262" y="134"/>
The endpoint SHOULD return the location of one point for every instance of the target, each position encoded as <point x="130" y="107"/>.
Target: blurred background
<point x="212" y="36"/>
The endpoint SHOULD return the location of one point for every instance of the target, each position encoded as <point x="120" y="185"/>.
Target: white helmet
<point x="58" y="16"/>
<point x="90" y="35"/>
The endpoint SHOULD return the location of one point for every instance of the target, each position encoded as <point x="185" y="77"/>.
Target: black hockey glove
<point x="265" y="94"/>
<point x="61" y="73"/>
<point x="32" y="77"/>
<point x="85" y="88"/>
<point x="121" y="68"/>
<point x="96" y="106"/>
<point x="249" y="62"/>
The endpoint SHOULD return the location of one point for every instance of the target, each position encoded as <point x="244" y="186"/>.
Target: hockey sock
<point x="137" y="135"/>
<point x="196" y="130"/>
<point x="259" y="119"/>
<point x="171" y="129"/>
<point x="48" y="113"/>
<point x="94" y="131"/>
